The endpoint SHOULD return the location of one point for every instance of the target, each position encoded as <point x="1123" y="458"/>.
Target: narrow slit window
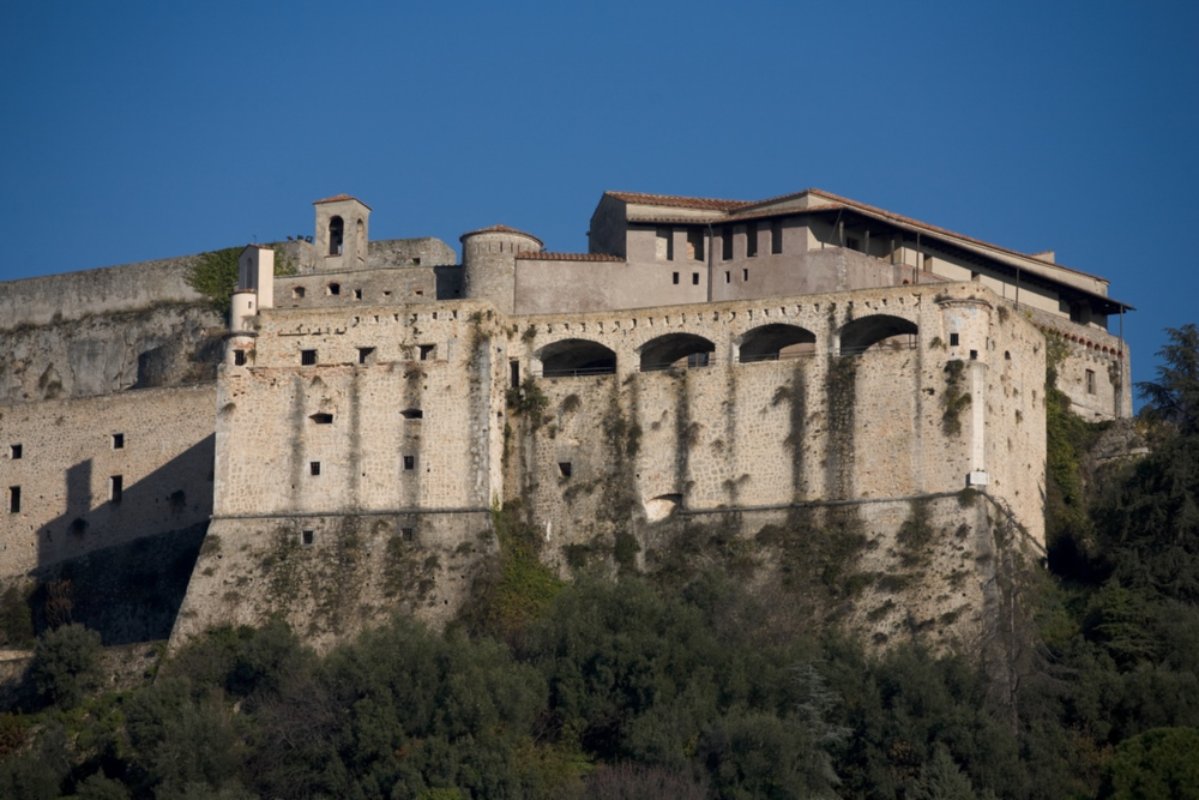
<point x="118" y="441"/>
<point x="514" y="373"/>
<point x="116" y="488"/>
<point x="314" y="468"/>
<point x="728" y="276"/>
<point x="307" y="358"/>
<point x="14" y="499"/>
<point x="1090" y="381"/>
<point x="16" y="451"/>
<point x="726" y="242"/>
<point x="745" y="274"/>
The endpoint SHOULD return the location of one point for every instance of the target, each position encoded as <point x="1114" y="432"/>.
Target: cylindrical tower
<point x="489" y="263"/>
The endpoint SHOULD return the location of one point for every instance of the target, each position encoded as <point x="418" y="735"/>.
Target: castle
<point x="800" y="367"/>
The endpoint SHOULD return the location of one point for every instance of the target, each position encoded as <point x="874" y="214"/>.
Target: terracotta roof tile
<point x="500" y="229"/>
<point x="541" y="256"/>
<point x="677" y="201"/>
<point x="337" y="198"/>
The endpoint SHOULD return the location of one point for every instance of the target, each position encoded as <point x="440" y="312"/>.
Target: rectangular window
<point x="407" y="534"/>
<point x="726" y="242"/>
<point x="751" y="240"/>
<point x="776" y="237"/>
<point x="239" y="358"/>
<point x="409" y="463"/>
<point x="565" y="469"/>
<point x="514" y="373"/>
<point x="16" y="451"/>
<point x="664" y="245"/>
<point x="357" y="294"/>
<point x="953" y="340"/>
<point x="1090" y="381"/>
<point x="728" y="276"/>
<point x="14" y="499"/>
<point x="314" y="468"/>
<point x="307" y="538"/>
<point x="307" y="358"/>
<point x="928" y="262"/>
<point x="118" y="441"/>
<point x="674" y="278"/>
<point x="366" y="355"/>
<point x="745" y="274"/>
<point x="116" y="488"/>
<point x="428" y="352"/>
<point x="695" y="279"/>
<point x="695" y="244"/>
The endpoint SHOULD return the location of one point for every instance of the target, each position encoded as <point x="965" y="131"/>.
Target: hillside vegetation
<point x="626" y="689"/>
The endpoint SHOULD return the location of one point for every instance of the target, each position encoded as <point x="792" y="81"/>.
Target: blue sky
<point x="141" y="130"/>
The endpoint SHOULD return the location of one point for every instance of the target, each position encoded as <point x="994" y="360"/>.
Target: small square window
<point x="695" y="279"/>
<point x="953" y="340"/>
<point x="407" y="534"/>
<point x="565" y="469"/>
<point x="357" y="294"/>
<point x="16" y="451"/>
<point x="118" y="441"/>
<point x="973" y="355"/>
<point x="409" y="463"/>
<point x="307" y="538"/>
<point x="307" y="358"/>
<point x="333" y="289"/>
<point x="428" y="352"/>
<point x="297" y="292"/>
<point x="116" y="488"/>
<point x="314" y="468"/>
<point x="14" y="499"/>
<point x="366" y="355"/>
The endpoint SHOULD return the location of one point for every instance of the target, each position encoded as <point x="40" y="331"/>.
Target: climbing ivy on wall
<point x="215" y="275"/>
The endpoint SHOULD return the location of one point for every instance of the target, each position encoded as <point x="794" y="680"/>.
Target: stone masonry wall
<point x="68" y="458"/>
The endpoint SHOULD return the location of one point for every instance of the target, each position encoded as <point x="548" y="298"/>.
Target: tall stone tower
<point x="342" y="227"/>
<point x="489" y="262"/>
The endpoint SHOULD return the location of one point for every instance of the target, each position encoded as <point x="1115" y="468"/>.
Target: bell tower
<point x="342" y="224"/>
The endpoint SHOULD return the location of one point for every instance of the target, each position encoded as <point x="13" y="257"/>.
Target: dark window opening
<point x="751" y="241"/>
<point x="676" y="350"/>
<point x="14" y="499"/>
<point x="16" y="451"/>
<point x="565" y="469"/>
<point x="321" y="418"/>
<point x="428" y="352"/>
<point x="726" y="242"/>
<point x="116" y="488"/>
<point x="1007" y="355"/>
<point x="695" y="279"/>
<point x="744" y="274"/>
<point x="118" y="441"/>
<point x="307" y="538"/>
<point x="412" y="413"/>
<point x="409" y="462"/>
<point x="728" y="276"/>
<point x="695" y="244"/>
<point x="333" y="289"/>
<point x="337" y="230"/>
<point x="79" y="526"/>
<point x="314" y="468"/>
<point x="973" y="355"/>
<point x="953" y="340"/>
<point x="307" y="357"/>
<point x="574" y="357"/>
<point x="178" y="500"/>
<point x="366" y="355"/>
<point x="297" y="292"/>
<point x="1090" y="381"/>
<point x="357" y="294"/>
<point x="239" y="358"/>
<point x="674" y="278"/>
<point x="776" y="237"/>
<point x="407" y="534"/>
<point x="853" y="243"/>
<point x="416" y="261"/>
<point x="514" y="373"/>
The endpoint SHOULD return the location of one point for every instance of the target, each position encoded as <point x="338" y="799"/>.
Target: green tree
<point x="66" y="665"/>
<point x="1161" y="764"/>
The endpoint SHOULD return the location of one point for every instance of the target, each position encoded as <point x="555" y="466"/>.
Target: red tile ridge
<point x="543" y="256"/>
<point x="501" y="229"/>
<point x="337" y="198"/>
<point x="679" y="201"/>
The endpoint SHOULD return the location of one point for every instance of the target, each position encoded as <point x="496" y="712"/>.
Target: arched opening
<point x="572" y="357"/>
<point x="880" y="331"/>
<point x="676" y="350"/>
<point x="777" y="342"/>
<point x="360" y="239"/>
<point x="337" y="230"/>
